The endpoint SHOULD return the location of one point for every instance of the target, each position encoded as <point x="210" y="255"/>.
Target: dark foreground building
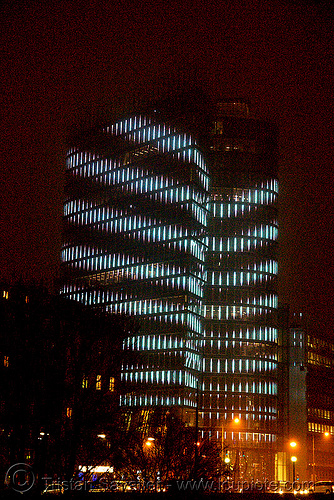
<point x="59" y="383"/>
<point x="170" y="216"/>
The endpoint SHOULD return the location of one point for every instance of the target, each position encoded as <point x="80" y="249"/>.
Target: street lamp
<point x="293" y="446"/>
<point x="236" y="467"/>
<point x="293" y="460"/>
<point x="149" y="441"/>
<point x="229" y="428"/>
<point x="235" y="420"/>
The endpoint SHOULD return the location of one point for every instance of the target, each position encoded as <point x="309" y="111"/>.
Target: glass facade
<point x="135" y="219"/>
<point x="240" y="296"/>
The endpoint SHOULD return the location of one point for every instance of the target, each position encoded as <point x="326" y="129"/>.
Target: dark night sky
<point x="60" y="59"/>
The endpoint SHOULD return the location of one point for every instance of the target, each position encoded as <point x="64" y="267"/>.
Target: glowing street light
<point x="293" y="445"/>
<point x="149" y="441"/>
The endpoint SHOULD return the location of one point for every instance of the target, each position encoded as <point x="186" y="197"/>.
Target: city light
<point x="99" y="469"/>
<point x="149" y="441"/>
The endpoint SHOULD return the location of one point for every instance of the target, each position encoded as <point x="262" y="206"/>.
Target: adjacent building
<point x="306" y="385"/>
<point x="320" y="407"/>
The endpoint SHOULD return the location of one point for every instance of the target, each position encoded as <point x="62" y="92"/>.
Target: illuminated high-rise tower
<point x="240" y="300"/>
<point x="171" y="217"/>
<point x="134" y="243"/>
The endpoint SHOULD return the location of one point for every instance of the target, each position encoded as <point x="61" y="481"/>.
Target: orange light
<point x="148" y="443"/>
<point x="236" y="420"/>
<point x="326" y="434"/>
<point x="293" y="444"/>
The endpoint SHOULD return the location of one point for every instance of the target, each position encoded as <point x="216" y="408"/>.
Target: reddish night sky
<point x="60" y="59"/>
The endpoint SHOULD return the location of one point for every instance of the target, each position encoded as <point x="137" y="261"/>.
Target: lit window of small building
<point x="98" y="382"/>
<point x="84" y="384"/>
<point x="111" y="384"/>
<point x="5" y="294"/>
<point x="69" y="412"/>
<point x="6" y="361"/>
